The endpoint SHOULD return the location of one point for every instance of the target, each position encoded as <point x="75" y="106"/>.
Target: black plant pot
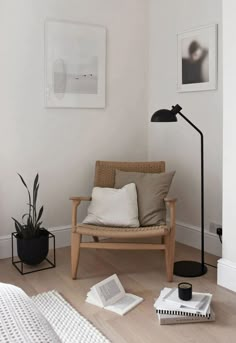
<point x="34" y="250"/>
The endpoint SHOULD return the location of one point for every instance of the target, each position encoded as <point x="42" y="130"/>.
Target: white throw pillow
<point x="113" y="207"/>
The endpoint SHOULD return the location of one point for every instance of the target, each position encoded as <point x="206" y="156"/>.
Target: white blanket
<point x="20" y="320"/>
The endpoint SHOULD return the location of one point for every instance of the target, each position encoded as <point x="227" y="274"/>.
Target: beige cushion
<point x="152" y="188"/>
<point x="113" y="207"/>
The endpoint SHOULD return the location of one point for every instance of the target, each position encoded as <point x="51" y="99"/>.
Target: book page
<point x="109" y="290"/>
<point x="125" y="304"/>
<point x="92" y="299"/>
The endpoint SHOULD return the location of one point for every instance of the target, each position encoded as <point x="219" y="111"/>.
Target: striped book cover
<point x="170" y="319"/>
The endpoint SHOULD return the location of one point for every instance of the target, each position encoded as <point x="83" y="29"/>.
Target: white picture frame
<point x="75" y="65"/>
<point x="197" y="59"/>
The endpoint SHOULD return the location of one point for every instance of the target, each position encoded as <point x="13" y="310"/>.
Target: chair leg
<point x="75" y="251"/>
<point x="169" y="256"/>
<point x="95" y="238"/>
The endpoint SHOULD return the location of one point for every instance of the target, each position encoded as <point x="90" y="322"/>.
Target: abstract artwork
<point x="75" y="64"/>
<point x="197" y="59"/>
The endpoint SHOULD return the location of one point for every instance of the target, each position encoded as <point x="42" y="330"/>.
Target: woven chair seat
<point x="121" y="232"/>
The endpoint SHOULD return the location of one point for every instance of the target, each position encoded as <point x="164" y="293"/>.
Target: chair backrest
<point x="105" y="170"/>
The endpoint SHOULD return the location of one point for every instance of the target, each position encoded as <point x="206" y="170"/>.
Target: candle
<point x="185" y="290"/>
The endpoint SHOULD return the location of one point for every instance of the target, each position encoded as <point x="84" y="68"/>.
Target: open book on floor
<point x="110" y="294"/>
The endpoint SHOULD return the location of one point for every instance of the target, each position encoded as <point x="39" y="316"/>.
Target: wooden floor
<point x="141" y="273"/>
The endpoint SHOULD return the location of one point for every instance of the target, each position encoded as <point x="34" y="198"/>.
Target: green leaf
<point x="36" y="182"/>
<point x="39" y="224"/>
<point x="35" y="190"/>
<point x="16" y="221"/>
<point x="18" y="226"/>
<point x="17" y="229"/>
<point x="30" y="222"/>
<point x="23" y="181"/>
<point x="32" y="206"/>
<point x="24" y="215"/>
<point x="40" y="214"/>
<point x="35" y="195"/>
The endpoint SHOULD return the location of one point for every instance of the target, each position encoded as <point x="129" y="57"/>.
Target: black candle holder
<point x="51" y="264"/>
<point x="185" y="291"/>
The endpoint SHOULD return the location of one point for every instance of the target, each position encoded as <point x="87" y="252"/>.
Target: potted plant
<point x="32" y="239"/>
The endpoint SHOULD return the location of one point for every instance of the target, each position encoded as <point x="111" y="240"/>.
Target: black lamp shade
<point x="164" y="116"/>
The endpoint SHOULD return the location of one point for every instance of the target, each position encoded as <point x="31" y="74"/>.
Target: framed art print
<point x="197" y="59"/>
<point x="75" y="65"/>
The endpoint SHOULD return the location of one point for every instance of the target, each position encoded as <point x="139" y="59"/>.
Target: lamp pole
<point x="204" y="269"/>
<point x="187" y="268"/>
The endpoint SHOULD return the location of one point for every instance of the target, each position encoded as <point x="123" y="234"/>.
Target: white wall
<point x="178" y="143"/>
<point x="229" y="156"/>
<point x="227" y="265"/>
<point x="63" y="144"/>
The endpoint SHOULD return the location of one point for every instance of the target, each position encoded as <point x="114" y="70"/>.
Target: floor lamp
<point x="187" y="268"/>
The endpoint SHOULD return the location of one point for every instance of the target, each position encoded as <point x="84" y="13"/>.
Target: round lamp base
<point x="189" y="269"/>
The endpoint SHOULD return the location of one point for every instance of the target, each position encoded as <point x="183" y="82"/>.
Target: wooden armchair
<point x="105" y="177"/>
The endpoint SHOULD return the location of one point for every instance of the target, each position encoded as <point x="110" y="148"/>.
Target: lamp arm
<point x="194" y="126"/>
<point x="202" y="186"/>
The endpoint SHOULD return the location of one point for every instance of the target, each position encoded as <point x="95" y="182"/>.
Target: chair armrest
<point x="75" y="203"/>
<point x="81" y="198"/>
<point x="170" y="201"/>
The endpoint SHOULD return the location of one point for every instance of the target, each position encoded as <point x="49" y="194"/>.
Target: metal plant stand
<point x="19" y="264"/>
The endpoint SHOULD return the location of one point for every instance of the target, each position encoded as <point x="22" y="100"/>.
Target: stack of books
<point x="171" y="309"/>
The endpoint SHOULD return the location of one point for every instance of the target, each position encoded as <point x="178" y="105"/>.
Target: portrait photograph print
<point x="74" y="65"/>
<point x="197" y="59"/>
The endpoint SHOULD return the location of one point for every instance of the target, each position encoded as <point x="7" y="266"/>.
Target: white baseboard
<point x="5" y="246"/>
<point x="226" y="274"/>
<point x="191" y="235"/>
<point x="62" y="235"/>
